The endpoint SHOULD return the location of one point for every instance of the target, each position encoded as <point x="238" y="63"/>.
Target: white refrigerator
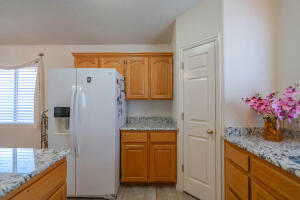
<point x="96" y="102"/>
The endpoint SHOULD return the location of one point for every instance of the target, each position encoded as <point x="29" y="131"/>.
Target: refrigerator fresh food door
<point x="60" y="83"/>
<point x="96" y="125"/>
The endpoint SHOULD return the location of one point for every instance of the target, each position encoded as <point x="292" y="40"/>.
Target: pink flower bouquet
<point x="274" y="106"/>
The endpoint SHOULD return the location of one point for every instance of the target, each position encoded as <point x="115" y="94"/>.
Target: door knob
<point x="209" y="131"/>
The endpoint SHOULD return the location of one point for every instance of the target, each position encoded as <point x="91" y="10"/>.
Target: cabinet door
<point x="115" y="62"/>
<point x="162" y="162"/>
<point x="161" y="77"/>
<point x="134" y="162"/>
<point x="60" y="194"/>
<point x="137" y="78"/>
<point x="237" y="182"/>
<point x="259" y="193"/>
<point x="86" y="61"/>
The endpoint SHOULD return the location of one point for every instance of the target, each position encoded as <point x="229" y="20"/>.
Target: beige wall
<point x="59" y="56"/>
<point x="250" y="28"/>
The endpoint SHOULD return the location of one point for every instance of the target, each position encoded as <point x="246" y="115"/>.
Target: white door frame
<point x="219" y="113"/>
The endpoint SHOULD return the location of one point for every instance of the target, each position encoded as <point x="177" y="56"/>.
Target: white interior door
<point x="199" y="105"/>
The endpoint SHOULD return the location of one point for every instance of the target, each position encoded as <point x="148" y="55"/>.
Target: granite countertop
<point x="149" y="124"/>
<point x="277" y="153"/>
<point x="18" y="165"/>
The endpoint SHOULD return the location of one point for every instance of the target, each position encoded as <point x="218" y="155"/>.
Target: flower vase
<point x="271" y="131"/>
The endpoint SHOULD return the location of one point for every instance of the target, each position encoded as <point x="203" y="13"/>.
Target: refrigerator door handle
<point x="73" y="119"/>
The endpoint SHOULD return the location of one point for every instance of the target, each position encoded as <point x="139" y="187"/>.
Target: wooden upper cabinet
<point x="86" y="61"/>
<point x="137" y="78"/>
<point x="115" y="62"/>
<point x="147" y="75"/>
<point x="161" y="77"/>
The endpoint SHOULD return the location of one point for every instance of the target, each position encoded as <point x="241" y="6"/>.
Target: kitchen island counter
<point x="18" y="166"/>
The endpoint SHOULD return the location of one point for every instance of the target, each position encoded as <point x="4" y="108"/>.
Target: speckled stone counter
<point x="17" y="165"/>
<point x="277" y="153"/>
<point x="149" y="124"/>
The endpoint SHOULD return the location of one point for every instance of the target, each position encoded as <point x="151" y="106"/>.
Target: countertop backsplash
<point x="149" y="123"/>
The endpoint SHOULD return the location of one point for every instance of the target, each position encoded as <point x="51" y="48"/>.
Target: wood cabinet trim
<point x="124" y="54"/>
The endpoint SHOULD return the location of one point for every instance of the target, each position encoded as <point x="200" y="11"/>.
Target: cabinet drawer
<point x="133" y="136"/>
<point x="237" y="156"/>
<point x="163" y="136"/>
<point x="238" y="181"/>
<point x="275" y="180"/>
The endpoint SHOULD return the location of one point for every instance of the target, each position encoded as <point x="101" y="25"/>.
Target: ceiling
<point x="89" y="21"/>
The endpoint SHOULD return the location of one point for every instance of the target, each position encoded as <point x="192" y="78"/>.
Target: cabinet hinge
<point x="182" y="65"/>
<point x="182" y="168"/>
<point x="182" y="116"/>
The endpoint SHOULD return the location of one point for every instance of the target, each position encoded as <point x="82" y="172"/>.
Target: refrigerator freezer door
<point x="60" y="82"/>
<point x="96" y="133"/>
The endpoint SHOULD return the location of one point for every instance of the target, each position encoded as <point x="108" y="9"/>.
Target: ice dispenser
<point x="62" y="119"/>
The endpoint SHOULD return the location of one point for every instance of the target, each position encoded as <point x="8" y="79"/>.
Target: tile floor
<point x="149" y="193"/>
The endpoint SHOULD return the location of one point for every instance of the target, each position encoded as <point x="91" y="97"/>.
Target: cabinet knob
<point x="209" y="131"/>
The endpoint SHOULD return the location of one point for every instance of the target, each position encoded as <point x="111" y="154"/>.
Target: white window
<point x="17" y="96"/>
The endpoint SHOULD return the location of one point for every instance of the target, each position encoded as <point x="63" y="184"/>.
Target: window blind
<point x="17" y="95"/>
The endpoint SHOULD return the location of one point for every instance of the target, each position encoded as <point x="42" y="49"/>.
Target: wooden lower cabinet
<point x="237" y="182"/>
<point x="162" y="166"/>
<point x="134" y="162"/>
<point x="148" y="157"/>
<point x="60" y="194"/>
<point x="250" y="177"/>
<point x="258" y="193"/>
<point x="49" y="185"/>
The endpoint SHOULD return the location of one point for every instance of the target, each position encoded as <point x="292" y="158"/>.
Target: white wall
<point x="288" y="68"/>
<point x="59" y="56"/>
<point x="161" y="108"/>
<point x="288" y="43"/>
<point x="249" y="55"/>
<point x="200" y="22"/>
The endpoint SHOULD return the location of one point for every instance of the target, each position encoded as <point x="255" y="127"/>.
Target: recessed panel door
<point x="199" y="121"/>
